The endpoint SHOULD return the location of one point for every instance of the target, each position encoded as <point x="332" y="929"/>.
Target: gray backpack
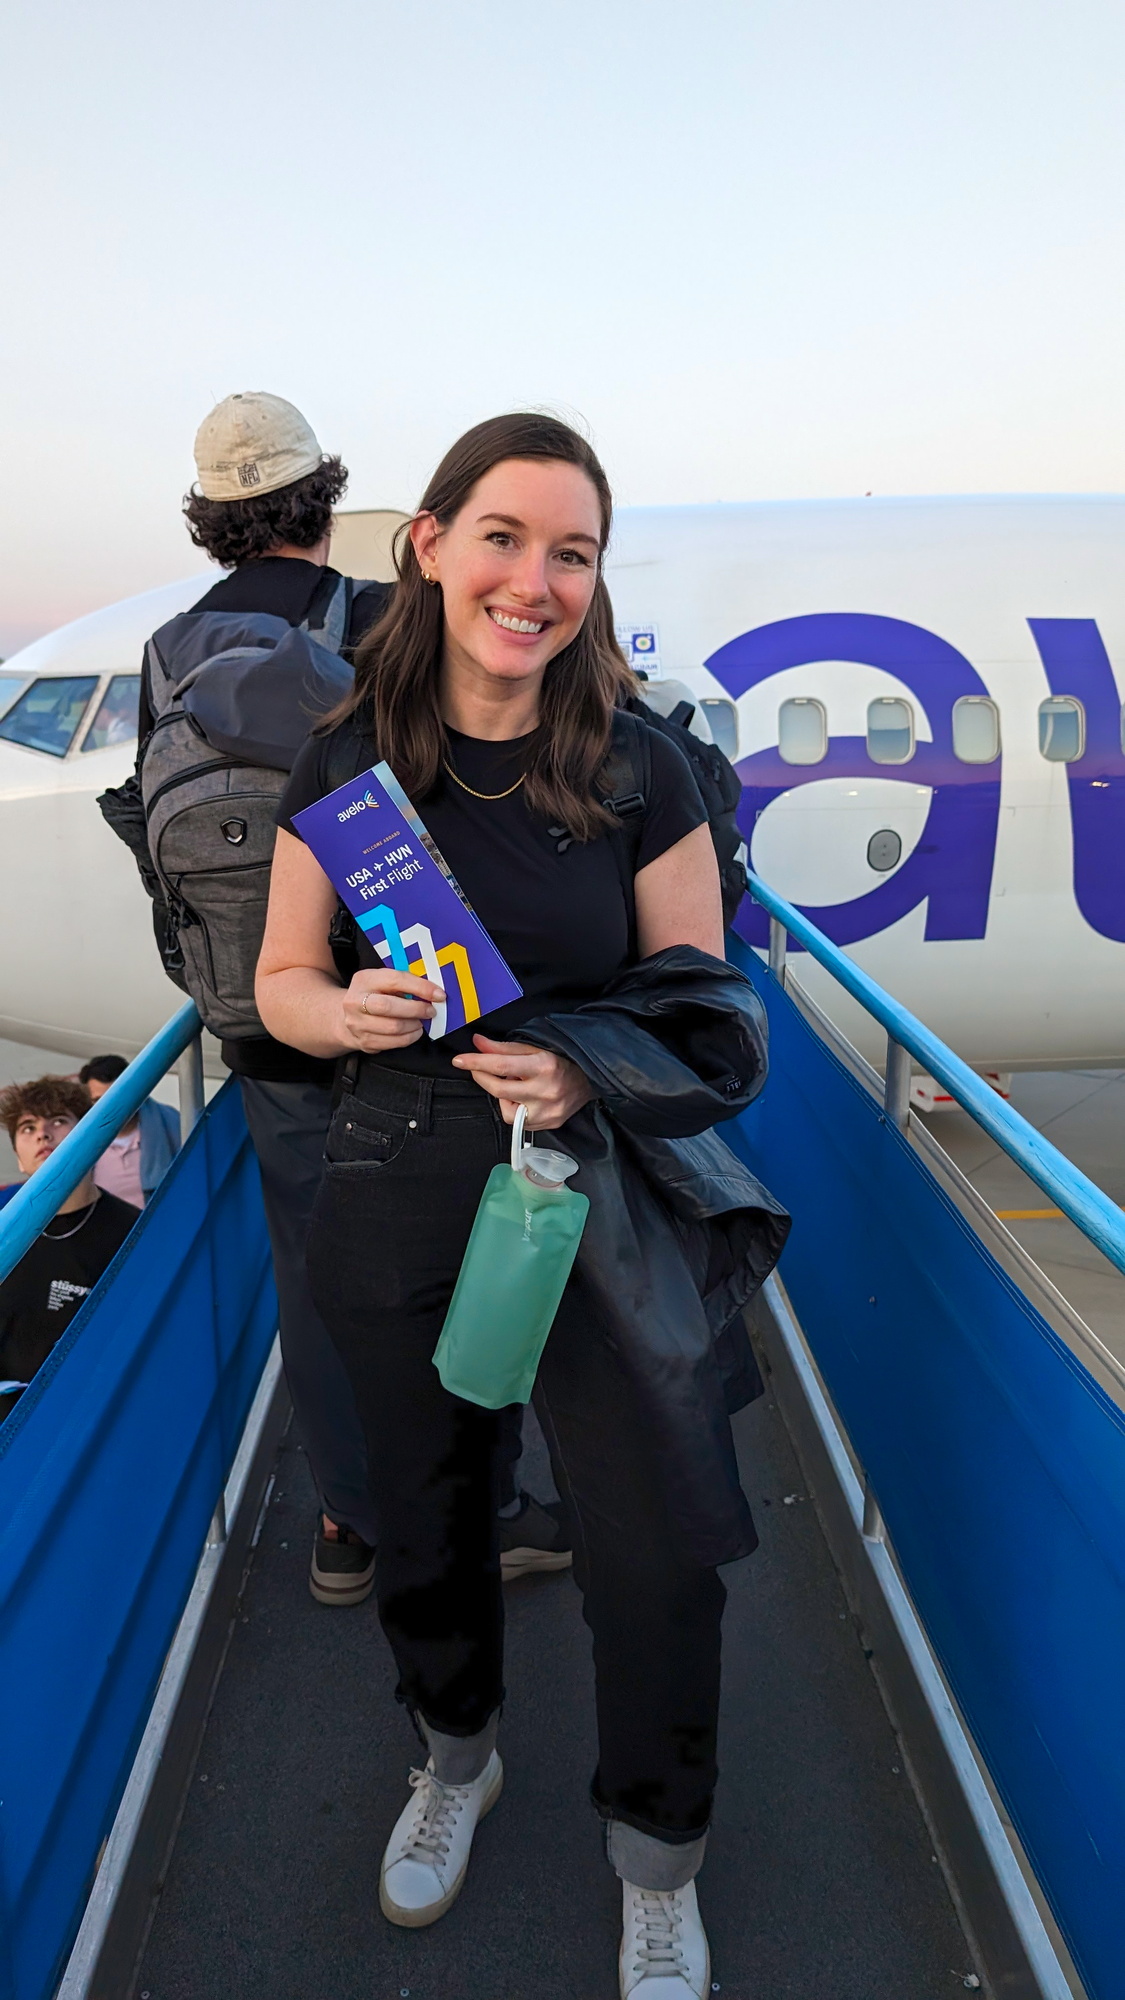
<point x="234" y="697"/>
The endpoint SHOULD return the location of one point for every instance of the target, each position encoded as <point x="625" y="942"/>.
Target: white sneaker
<point x="428" y="1852"/>
<point x="663" y="1945"/>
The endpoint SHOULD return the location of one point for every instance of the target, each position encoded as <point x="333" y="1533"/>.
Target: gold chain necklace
<point x="489" y="796"/>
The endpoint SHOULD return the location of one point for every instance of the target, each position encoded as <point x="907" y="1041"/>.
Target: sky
<point x="757" y="248"/>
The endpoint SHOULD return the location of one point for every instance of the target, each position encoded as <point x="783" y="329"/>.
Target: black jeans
<point x="287" y="1124"/>
<point x="407" y="1161"/>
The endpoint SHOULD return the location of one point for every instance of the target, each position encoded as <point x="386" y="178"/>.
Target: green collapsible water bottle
<point x="519" y="1257"/>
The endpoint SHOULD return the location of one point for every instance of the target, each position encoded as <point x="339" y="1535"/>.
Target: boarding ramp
<point x="112" y="1470"/>
<point x="985" y="1422"/>
<point x="959" y="1450"/>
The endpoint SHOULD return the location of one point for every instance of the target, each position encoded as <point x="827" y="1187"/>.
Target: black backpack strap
<point x="720" y="789"/>
<point x="329" y="616"/>
<point x="369" y="601"/>
<point x="349" y="753"/>
<point x="625" y="786"/>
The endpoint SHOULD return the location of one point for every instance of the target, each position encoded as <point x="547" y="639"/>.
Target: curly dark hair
<point x="42" y="1097"/>
<point x="235" y="531"/>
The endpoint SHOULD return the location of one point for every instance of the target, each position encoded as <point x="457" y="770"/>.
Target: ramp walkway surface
<point x="820" y="1884"/>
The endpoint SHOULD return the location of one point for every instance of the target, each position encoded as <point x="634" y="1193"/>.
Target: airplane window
<point x="46" y="716"/>
<point x="802" y="731"/>
<point x="976" y="730"/>
<point x="1062" y="729"/>
<point x="890" y="730"/>
<point x="11" y="685"/>
<point x="722" y="720"/>
<point x="116" y="719"/>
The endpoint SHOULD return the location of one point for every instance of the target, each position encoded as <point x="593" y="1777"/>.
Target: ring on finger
<point x="363" y="1004"/>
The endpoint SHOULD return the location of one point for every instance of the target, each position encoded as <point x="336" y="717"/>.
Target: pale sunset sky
<point x="760" y="248"/>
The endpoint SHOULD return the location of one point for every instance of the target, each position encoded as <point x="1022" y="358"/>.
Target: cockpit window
<point x="116" y="719"/>
<point x="48" y="713"/>
<point x="11" y="685"/>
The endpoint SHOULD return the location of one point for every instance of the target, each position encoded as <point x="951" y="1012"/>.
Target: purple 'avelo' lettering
<point x="951" y="867"/>
<point x="1076" y="663"/>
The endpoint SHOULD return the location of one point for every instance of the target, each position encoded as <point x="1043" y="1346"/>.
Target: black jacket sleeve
<point x="673" y="1046"/>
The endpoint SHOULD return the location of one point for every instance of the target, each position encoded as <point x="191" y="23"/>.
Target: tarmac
<point x="820" y="1883"/>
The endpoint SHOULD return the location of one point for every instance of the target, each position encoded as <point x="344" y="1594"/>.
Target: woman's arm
<point x="299" y="996"/>
<point x="678" y="898"/>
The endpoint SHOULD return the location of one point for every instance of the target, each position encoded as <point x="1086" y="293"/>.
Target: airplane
<point x="921" y="699"/>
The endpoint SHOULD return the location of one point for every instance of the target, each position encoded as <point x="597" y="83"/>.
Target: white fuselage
<point x="988" y="896"/>
<point x="1008" y="936"/>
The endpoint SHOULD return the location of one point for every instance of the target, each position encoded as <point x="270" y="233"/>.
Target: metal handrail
<point x="23" y="1218"/>
<point x="1088" y="1207"/>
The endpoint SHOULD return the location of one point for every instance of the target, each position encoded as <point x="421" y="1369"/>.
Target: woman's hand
<point x="552" y="1087"/>
<point x="385" y="1009"/>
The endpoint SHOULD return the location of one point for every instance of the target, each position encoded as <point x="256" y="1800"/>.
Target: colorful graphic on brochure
<point x="372" y="845"/>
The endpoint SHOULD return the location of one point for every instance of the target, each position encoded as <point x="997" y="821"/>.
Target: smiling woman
<point x="494" y="688"/>
<point x="491" y="687"/>
<point x="504" y="604"/>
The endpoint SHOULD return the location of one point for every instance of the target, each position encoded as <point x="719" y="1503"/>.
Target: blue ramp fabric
<point x="110" y="1466"/>
<point x="997" y="1460"/>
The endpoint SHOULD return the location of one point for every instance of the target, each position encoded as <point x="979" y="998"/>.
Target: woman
<point x="490" y="687"/>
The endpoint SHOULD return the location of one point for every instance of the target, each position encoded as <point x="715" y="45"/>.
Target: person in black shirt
<point x="40" y="1297"/>
<point x="262" y="509"/>
<point x="490" y="689"/>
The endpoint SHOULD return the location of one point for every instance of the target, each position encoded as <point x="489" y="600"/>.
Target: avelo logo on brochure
<point x="358" y="806"/>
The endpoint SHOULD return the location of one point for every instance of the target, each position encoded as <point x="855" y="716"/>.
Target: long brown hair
<point x="398" y="663"/>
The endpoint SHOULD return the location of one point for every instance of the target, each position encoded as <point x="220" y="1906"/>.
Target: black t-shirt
<point x="285" y="587"/>
<point x="40" y="1297"/>
<point x="559" y="919"/>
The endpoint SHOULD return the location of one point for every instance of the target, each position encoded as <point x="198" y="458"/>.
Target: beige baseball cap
<point x="253" y="443"/>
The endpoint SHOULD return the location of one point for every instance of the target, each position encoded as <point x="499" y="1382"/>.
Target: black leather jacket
<point x="680" y="1234"/>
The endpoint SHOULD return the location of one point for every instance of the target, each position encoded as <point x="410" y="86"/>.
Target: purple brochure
<point x="372" y="845"/>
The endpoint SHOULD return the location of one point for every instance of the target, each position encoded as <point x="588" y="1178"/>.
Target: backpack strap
<point x="720" y="788"/>
<point x="624" y="785"/>
<point x="682" y="713"/>
<point x="348" y="755"/>
<point x="334" y="619"/>
<point x="156" y="692"/>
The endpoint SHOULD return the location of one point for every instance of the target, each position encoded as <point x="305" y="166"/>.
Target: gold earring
<point x="427" y="578"/>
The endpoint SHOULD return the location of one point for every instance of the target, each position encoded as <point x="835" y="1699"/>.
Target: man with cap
<point x="262" y="510"/>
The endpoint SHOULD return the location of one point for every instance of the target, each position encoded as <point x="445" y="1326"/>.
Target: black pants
<point x="407" y="1161"/>
<point x="288" y="1123"/>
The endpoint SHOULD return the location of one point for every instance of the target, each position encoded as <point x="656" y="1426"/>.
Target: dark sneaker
<point x="343" y="1571"/>
<point x="533" y="1539"/>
